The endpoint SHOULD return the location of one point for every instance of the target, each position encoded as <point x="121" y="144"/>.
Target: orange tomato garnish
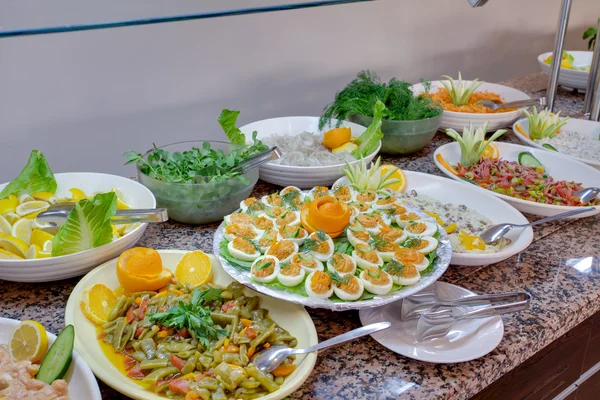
<point x="326" y="214"/>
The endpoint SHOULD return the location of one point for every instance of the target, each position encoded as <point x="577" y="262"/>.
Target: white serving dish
<point x="448" y="191"/>
<point x="570" y="78"/>
<point x="80" y="379"/>
<point x="291" y="317"/>
<point x="56" y="268"/>
<point x="559" y="166"/>
<point x="302" y="177"/>
<point x="459" y="120"/>
<point x="585" y="127"/>
<point x="468" y="339"/>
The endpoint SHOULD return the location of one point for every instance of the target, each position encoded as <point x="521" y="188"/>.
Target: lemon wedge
<point x="121" y="204"/>
<point x="47" y="247"/>
<point x="7" y="255"/>
<point x="5" y="226"/>
<point x="130" y="228"/>
<point x="9" y="204"/>
<point x="39" y="237"/>
<point x="348" y="147"/>
<point x="24" y="198"/>
<point x="11" y="217"/>
<point x="77" y="194"/>
<point x="13" y="244"/>
<point x="22" y="230"/>
<point x="45" y="196"/>
<point x="28" y="341"/>
<point x="31" y="207"/>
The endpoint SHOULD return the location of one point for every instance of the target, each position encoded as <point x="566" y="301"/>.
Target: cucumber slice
<point x="549" y="146"/>
<point x="527" y="159"/>
<point x="58" y="359"/>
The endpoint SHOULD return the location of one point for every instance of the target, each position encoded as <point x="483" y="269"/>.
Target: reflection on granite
<point x="558" y="269"/>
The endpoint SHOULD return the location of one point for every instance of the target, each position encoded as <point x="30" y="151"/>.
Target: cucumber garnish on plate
<point x="527" y="159"/>
<point x="549" y="146"/>
<point x="58" y="359"/>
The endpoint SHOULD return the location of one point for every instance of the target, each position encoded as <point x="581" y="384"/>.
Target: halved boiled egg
<point x="319" y="284"/>
<point x="267" y="238"/>
<point x="383" y="216"/>
<point x="366" y="257"/>
<point x="244" y="231"/>
<point x="424" y="244"/>
<point x="370" y="223"/>
<point x="265" y="269"/>
<point x="350" y="289"/>
<point x="343" y="264"/>
<point x="292" y="196"/>
<point x="366" y="196"/>
<point x="403" y="274"/>
<point x="252" y="205"/>
<point x="296" y="234"/>
<point x="357" y="234"/>
<point x="243" y="249"/>
<point x="308" y="262"/>
<point x="344" y="193"/>
<point x="376" y="280"/>
<point x="360" y="207"/>
<point x="394" y="234"/>
<point x="283" y="250"/>
<point x="272" y="200"/>
<point x="318" y="191"/>
<point x="384" y="202"/>
<point x="406" y="218"/>
<point x="384" y="247"/>
<point x="263" y="223"/>
<point x="288" y="217"/>
<point x="420" y="228"/>
<point x="274" y="212"/>
<point x="320" y="245"/>
<point x="411" y="256"/>
<point x="240" y="218"/>
<point x="291" y="274"/>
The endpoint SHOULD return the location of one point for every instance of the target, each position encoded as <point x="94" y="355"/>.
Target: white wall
<point x="85" y="98"/>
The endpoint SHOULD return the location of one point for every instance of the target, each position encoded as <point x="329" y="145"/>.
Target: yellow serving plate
<point x="291" y="317"/>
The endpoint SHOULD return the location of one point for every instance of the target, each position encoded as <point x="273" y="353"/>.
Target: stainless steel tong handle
<point x="264" y="157"/>
<point x="490" y="311"/>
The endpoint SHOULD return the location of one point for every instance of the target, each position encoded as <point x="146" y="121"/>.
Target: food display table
<point x="561" y="270"/>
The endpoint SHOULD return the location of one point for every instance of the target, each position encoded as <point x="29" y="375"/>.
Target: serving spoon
<point x="492" y="234"/>
<point x="588" y="194"/>
<point x="513" y="104"/>
<point x="269" y="359"/>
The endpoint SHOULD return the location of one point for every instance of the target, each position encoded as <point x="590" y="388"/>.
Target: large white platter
<point x="559" y="166"/>
<point x="80" y="379"/>
<point x="449" y="192"/>
<point x="459" y="120"/>
<point x="585" y="127"/>
<point x="570" y="78"/>
<point x="444" y="253"/>
<point x="289" y="316"/>
<point x="56" y="268"/>
<point x="302" y="177"/>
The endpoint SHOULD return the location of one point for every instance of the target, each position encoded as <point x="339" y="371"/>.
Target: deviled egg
<point x="366" y="196"/>
<point x="350" y="288"/>
<point x="296" y="234"/>
<point x="240" y="218"/>
<point x="272" y="200"/>
<point x="283" y="250"/>
<point x="288" y="217"/>
<point x="318" y="191"/>
<point x="402" y="274"/>
<point x="385" y="202"/>
<point x="320" y="245"/>
<point x="263" y="223"/>
<point x="275" y="212"/>
<point x="384" y="247"/>
<point x="384" y="218"/>
<point x="343" y="264"/>
<point x="366" y="257"/>
<point x="291" y="274"/>
<point x="265" y="269"/>
<point x="252" y="205"/>
<point x="243" y="249"/>
<point x="319" y="284"/>
<point x="394" y="234"/>
<point x="361" y="207"/>
<point x="370" y="223"/>
<point x="376" y="281"/>
<point x="292" y="196"/>
<point x="424" y="244"/>
<point x="344" y="193"/>
<point x="406" y="218"/>
<point x="308" y="262"/>
<point x="357" y="234"/>
<point x="411" y="256"/>
<point x="267" y="238"/>
<point x="244" y="231"/>
<point x="422" y="228"/>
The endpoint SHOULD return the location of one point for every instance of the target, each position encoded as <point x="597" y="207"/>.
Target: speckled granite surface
<point x="560" y="269"/>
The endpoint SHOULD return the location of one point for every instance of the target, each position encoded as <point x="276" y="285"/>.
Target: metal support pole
<point x="593" y="94"/>
<point x="595" y="111"/>
<point x="561" y="32"/>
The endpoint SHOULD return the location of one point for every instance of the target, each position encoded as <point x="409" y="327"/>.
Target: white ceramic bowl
<point x="585" y="127"/>
<point x="80" y="379"/>
<point x="498" y="211"/>
<point x="459" y="120"/>
<point x="56" y="268"/>
<point x="570" y="78"/>
<point x="559" y="166"/>
<point x="302" y="177"/>
<point x="290" y="316"/>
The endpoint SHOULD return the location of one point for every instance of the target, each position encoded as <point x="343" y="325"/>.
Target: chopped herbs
<point x="394" y="268"/>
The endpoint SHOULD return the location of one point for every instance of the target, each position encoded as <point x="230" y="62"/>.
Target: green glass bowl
<point x="403" y="137"/>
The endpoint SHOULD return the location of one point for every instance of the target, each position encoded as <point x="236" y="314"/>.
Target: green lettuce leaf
<point x="228" y="120"/>
<point x="35" y="177"/>
<point x="369" y="140"/>
<point x="87" y="226"/>
<point x="231" y="259"/>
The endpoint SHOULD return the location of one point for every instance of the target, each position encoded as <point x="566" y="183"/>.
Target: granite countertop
<point x="561" y="270"/>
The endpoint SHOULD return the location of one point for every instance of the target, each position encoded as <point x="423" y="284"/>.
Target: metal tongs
<point x="437" y="321"/>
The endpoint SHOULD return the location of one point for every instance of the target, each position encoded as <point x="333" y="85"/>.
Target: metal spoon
<point x="513" y="104"/>
<point x="206" y="173"/>
<point x="57" y="214"/>
<point x="492" y="234"/>
<point x="588" y="194"/>
<point x="269" y="359"/>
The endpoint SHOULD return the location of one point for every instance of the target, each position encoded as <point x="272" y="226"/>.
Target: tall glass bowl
<point x="202" y="202"/>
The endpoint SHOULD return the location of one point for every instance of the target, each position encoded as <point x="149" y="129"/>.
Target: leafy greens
<point x="35" y="177"/>
<point x="369" y="140"/>
<point x="87" y="226"/>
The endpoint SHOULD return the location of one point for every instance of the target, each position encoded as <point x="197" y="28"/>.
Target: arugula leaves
<point x="35" y="177"/>
<point x="195" y="317"/>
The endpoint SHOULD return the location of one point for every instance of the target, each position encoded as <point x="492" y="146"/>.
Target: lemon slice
<point x="5" y="226"/>
<point x="24" y="198"/>
<point x="47" y="247"/>
<point x="11" y="217"/>
<point x="37" y="224"/>
<point x="120" y="228"/>
<point x="39" y="237"/>
<point x="115" y="233"/>
<point x="121" y="204"/>
<point x="9" y="204"/>
<point x="7" y="255"/>
<point x="77" y="194"/>
<point x="22" y="230"/>
<point x="31" y="207"/>
<point x="13" y="244"/>
<point x="28" y="341"/>
<point x="45" y="196"/>
<point x="35" y="251"/>
<point x="130" y="228"/>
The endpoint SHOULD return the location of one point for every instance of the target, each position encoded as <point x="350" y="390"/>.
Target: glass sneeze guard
<point x="36" y="17"/>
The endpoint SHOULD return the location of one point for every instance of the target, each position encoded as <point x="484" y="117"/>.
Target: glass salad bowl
<point x="202" y="202"/>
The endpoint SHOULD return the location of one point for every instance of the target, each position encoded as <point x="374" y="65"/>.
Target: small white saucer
<point x="468" y="339"/>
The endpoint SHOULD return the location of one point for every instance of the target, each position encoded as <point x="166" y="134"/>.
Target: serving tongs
<point x="513" y="104"/>
<point x="437" y="322"/>
<point x="207" y="173"/>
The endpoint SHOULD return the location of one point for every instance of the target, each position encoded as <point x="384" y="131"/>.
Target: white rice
<point x="305" y="150"/>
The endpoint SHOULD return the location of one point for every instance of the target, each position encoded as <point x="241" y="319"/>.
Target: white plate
<point x="459" y="120"/>
<point x="291" y="317"/>
<point x="56" y="268"/>
<point x="302" y="177"/>
<point x="81" y="381"/>
<point x="584" y="127"/>
<point x="468" y="339"/>
<point x="559" y="166"/>
<point x="569" y="77"/>
<point x="498" y="211"/>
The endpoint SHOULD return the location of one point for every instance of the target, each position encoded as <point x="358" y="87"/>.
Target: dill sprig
<point x="412" y="242"/>
<point x="378" y="242"/>
<point x="394" y="267"/>
<point x="311" y="244"/>
<point x="337" y="278"/>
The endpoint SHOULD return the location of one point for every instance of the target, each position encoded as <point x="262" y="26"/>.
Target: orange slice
<point x="520" y="129"/>
<point x="194" y="269"/>
<point x="399" y="174"/>
<point x="445" y="164"/>
<point x="491" y="151"/>
<point x="97" y="303"/>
